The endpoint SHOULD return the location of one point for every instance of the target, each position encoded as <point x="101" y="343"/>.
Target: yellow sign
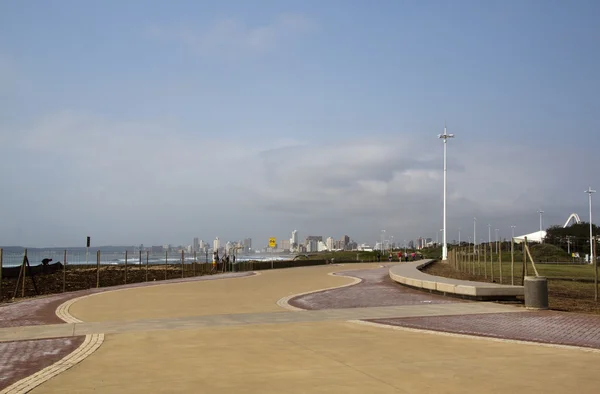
<point x="272" y="242"/>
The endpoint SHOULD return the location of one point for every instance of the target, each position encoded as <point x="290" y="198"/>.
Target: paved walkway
<point x="233" y="336"/>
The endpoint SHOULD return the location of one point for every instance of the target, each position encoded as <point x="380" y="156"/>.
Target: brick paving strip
<point x="27" y="363"/>
<point x="377" y="289"/>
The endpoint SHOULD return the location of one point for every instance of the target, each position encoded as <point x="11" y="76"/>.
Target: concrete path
<point x="232" y="336"/>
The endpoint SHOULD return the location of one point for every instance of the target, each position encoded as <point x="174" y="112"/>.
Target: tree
<point x="559" y="236"/>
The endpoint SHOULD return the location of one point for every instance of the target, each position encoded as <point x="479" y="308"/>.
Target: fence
<point x="21" y="275"/>
<point x="488" y="261"/>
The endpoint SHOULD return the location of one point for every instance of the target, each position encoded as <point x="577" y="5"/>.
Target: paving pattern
<point x="20" y="359"/>
<point x="376" y="289"/>
<point x="544" y="326"/>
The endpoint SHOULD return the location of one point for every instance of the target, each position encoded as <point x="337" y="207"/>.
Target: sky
<point x="155" y="122"/>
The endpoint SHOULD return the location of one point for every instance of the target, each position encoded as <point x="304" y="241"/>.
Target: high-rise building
<point x="216" y="244"/>
<point x="345" y="241"/>
<point x="317" y="238"/>
<point x="312" y="245"/>
<point x="248" y="243"/>
<point x="196" y="245"/>
<point x="294" y="240"/>
<point x="329" y="243"/>
<point x="285" y="244"/>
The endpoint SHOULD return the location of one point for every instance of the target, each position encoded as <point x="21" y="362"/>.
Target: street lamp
<point x="490" y="234"/>
<point x="589" y="191"/>
<point x="459" y="236"/>
<point x="445" y="137"/>
<point x="541" y="214"/>
<point x="513" y="231"/>
<point x="382" y="236"/>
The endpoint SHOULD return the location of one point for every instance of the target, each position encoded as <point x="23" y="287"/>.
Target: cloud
<point x="134" y="182"/>
<point x="234" y="35"/>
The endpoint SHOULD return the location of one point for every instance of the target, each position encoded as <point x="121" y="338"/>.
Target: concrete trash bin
<point x="536" y="292"/>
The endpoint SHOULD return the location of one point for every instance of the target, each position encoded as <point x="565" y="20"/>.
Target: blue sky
<point x="154" y="122"/>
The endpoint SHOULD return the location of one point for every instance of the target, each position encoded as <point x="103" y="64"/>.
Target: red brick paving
<point x="544" y="326"/>
<point x="21" y="359"/>
<point x="376" y="289"/>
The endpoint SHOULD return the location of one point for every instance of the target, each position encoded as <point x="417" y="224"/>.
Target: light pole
<point x="405" y="247"/>
<point x="541" y="214"/>
<point x="513" y="231"/>
<point x="490" y="235"/>
<point x="459" y="236"/>
<point x="445" y="137"/>
<point x="382" y="236"/>
<point x="589" y="191"/>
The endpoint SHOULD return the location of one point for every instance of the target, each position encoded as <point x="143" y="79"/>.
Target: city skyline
<point x="155" y="123"/>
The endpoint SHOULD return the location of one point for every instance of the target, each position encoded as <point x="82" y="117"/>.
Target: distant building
<point x="247" y="244"/>
<point x="312" y="245"/>
<point x="329" y="243"/>
<point x="196" y="244"/>
<point x="345" y="241"/>
<point x="317" y="238"/>
<point x="285" y="244"/>
<point x="294" y="240"/>
<point x="157" y="249"/>
<point x="216" y="244"/>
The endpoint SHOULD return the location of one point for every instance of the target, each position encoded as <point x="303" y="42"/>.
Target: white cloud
<point x="234" y="35"/>
<point x="150" y="181"/>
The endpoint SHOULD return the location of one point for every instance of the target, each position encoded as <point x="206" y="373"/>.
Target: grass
<point x="566" y="290"/>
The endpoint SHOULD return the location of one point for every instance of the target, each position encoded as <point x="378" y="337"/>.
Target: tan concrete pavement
<point x="325" y="357"/>
<point x="258" y="293"/>
<point x="330" y="356"/>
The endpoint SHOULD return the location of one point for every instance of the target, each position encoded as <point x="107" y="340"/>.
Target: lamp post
<point x="459" y="236"/>
<point x="513" y="230"/>
<point x="541" y="214"/>
<point x="589" y="191"/>
<point x="382" y="236"/>
<point x="445" y="137"/>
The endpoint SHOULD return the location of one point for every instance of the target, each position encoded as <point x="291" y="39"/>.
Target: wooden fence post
<point x="194" y="263"/>
<point x="524" y="269"/>
<point x="182" y="257"/>
<point x="24" y="274"/>
<point x="126" y="255"/>
<point x="500" y="261"/>
<point x="65" y="271"/>
<point x="473" y="259"/>
<point x="1" y="252"/>
<point x="595" y="270"/>
<point x="98" y="269"/>
<point x="512" y="261"/>
<point x="485" y="260"/>
<point x="166" y="263"/>
<point x="147" y="258"/>
<point x="491" y="262"/>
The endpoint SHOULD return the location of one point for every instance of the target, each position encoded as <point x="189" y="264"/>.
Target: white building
<point x="216" y="244"/>
<point x="321" y="247"/>
<point x="294" y="240"/>
<point x="329" y="243"/>
<point x="312" y="246"/>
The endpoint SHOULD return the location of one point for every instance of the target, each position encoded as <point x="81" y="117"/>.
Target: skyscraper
<point x="216" y="244"/>
<point x="329" y="243"/>
<point x="196" y="245"/>
<point x="294" y="240"/>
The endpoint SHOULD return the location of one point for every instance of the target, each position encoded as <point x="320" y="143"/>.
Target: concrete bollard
<point x="536" y="292"/>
